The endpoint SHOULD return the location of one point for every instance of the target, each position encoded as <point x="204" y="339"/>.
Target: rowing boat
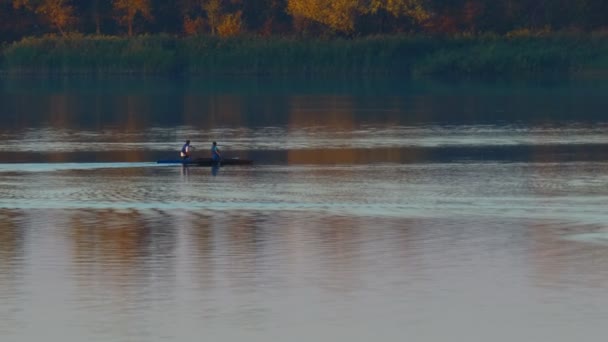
<point x="207" y="162"/>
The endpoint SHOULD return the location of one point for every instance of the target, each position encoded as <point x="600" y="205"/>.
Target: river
<point x="375" y="210"/>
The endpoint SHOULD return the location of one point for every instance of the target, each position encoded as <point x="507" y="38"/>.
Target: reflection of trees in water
<point x="96" y="104"/>
<point x="113" y="241"/>
<point x="60" y="113"/>
<point x="122" y="242"/>
<point x="121" y="261"/>
<point x="214" y="111"/>
<point x="201" y="248"/>
<point x="340" y="253"/>
<point x="339" y="117"/>
<point x="135" y="122"/>
<point x="335" y="114"/>
<point x="241" y="249"/>
<point x="11" y="238"/>
<point x="11" y="267"/>
<point x="124" y="261"/>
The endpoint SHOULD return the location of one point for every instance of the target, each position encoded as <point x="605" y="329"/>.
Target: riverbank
<point x="416" y="56"/>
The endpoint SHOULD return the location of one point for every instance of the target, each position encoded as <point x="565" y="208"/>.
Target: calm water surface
<point x="376" y="210"/>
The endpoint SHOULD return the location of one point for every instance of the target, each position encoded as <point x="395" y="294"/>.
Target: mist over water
<point x="374" y="210"/>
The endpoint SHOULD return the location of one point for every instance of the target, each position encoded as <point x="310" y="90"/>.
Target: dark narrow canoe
<point x="207" y="162"/>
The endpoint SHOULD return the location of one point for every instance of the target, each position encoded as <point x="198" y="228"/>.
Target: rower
<point x="186" y="151"/>
<point x="215" y="152"/>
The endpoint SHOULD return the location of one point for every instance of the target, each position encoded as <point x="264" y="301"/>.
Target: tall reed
<point x="459" y="56"/>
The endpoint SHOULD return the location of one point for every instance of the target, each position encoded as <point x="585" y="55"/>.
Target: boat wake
<point x="52" y="167"/>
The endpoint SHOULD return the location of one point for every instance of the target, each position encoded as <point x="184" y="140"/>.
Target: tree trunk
<point x="131" y="13"/>
<point x="97" y="24"/>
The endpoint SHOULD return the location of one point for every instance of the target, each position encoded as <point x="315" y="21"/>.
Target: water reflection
<point x="301" y="125"/>
<point x="12" y="255"/>
<point x="124" y="271"/>
<point x="121" y="263"/>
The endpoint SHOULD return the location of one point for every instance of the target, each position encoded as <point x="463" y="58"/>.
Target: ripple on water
<point x="596" y="238"/>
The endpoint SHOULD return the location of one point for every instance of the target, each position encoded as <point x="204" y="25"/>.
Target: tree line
<point x="20" y="18"/>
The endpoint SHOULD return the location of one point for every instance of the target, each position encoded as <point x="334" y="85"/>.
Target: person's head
<point x="214" y="143"/>
<point x="188" y="142"/>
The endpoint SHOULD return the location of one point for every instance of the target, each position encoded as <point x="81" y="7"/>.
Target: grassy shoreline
<point x="410" y="56"/>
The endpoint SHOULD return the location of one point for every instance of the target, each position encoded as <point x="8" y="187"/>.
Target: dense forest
<point x="312" y="18"/>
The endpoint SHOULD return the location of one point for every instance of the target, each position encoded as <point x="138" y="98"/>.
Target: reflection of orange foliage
<point x="242" y="244"/>
<point x="225" y="110"/>
<point x="201" y="246"/>
<point x="110" y="252"/>
<point x="9" y="237"/>
<point x="136" y="106"/>
<point x="337" y="113"/>
<point x="338" y="116"/>
<point x="102" y="236"/>
<point x="59" y="118"/>
<point x="208" y="112"/>
<point x="193" y="113"/>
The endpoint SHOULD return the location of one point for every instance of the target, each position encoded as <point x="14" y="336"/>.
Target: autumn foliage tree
<point x="231" y="24"/>
<point x="213" y="10"/>
<point x="341" y="15"/>
<point x="337" y="15"/>
<point x="59" y="13"/>
<point x="20" y="18"/>
<point x="417" y="10"/>
<point x="127" y="10"/>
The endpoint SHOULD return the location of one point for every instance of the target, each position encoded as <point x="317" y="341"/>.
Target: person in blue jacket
<point x="215" y="152"/>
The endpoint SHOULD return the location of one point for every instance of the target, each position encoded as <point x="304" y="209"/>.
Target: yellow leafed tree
<point x="414" y="9"/>
<point x="58" y="12"/>
<point x="213" y="9"/>
<point x="222" y="23"/>
<point x="230" y="25"/>
<point x="338" y="15"/>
